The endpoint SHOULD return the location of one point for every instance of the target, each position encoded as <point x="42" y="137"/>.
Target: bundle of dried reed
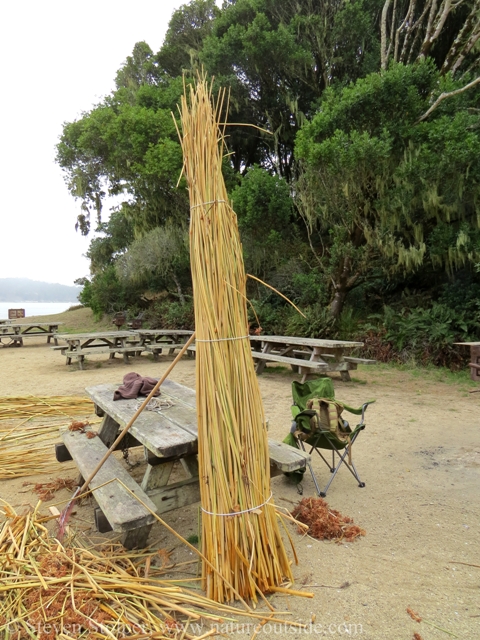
<point x="240" y="526"/>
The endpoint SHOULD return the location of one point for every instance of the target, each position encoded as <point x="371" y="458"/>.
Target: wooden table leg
<point x="176" y="495"/>
<point x="261" y="364"/>
<point x="132" y="539"/>
<point x="156" y="476"/>
<point x="475" y="359"/>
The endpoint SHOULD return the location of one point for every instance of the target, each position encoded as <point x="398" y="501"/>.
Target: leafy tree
<point x="264" y="209"/>
<point x="117" y="236"/>
<point x="105" y="293"/>
<point x="277" y="57"/>
<point x="127" y="146"/>
<point x="187" y="30"/>
<point x="162" y="255"/>
<point x="381" y="186"/>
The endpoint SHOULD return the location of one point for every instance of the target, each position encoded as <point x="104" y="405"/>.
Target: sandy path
<point x="419" y="457"/>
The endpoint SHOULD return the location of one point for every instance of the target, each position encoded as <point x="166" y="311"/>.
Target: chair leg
<point x="351" y="467"/>
<point x="330" y="466"/>
<point x="343" y="459"/>
<point x="309" y="465"/>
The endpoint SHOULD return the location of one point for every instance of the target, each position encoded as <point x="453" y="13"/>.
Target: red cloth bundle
<point x="135" y="385"/>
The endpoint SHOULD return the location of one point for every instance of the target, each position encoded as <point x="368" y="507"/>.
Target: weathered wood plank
<point x="310" y="342"/>
<point x="122" y="510"/>
<point x="287" y="458"/>
<point x="166" y="434"/>
<point x="272" y="357"/>
<point x="176" y="495"/>
<point x="94" y="350"/>
<point x="359" y="360"/>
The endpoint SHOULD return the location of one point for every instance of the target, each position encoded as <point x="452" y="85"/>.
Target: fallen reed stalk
<point x="28" y="448"/>
<point x="50" y="590"/>
<point x="25" y="407"/>
<point x="27" y="440"/>
<point x="240" y="531"/>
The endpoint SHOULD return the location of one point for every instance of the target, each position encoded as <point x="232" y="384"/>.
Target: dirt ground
<point x="419" y="457"/>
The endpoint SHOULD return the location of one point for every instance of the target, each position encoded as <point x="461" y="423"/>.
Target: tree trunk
<point x="338" y="302"/>
<point x="179" y="289"/>
<point x="342" y="285"/>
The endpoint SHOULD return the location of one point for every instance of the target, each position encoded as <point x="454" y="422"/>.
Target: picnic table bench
<point x="167" y="436"/>
<point x="474" y="358"/>
<point x="112" y="342"/>
<point x="14" y="333"/>
<point x="307" y="355"/>
<point x="155" y="341"/>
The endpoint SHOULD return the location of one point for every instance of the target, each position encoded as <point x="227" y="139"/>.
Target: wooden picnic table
<point x="5" y="321"/>
<point x="474" y="358"/>
<point x="156" y="340"/>
<point x="308" y="356"/>
<point x="128" y="343"/>
<point x="15" y="332"/>
<point x="80" y="345"/>
<point x="168" y="435"/>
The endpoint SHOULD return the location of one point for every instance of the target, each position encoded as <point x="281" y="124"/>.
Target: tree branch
<point x="407" y="21"/>
<point x="427" y="42"/>
<point x="442" y="97"/>
<point x="383" y="35"/>
<point x="466" y="49"/>
<point x="454" y="52"/>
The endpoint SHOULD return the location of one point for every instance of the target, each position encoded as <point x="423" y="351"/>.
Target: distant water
<point x="36" y="308"/>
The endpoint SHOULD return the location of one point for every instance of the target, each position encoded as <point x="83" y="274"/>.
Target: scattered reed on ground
<point x="29" y="430"/>
<point x="25" y="407"/>
<point x="51" y="590"/>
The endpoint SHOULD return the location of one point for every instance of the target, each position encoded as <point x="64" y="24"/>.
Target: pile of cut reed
<point x="25" y="407"/>
<point x="51" y="591"/>
<point x="28" y="449"/>
<point x="29" y="430"/>
<point x="240" y="526"/>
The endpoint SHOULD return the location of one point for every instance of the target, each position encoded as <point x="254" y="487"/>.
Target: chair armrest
<point x="364" y="408"/>
<point x="295" y="410"/>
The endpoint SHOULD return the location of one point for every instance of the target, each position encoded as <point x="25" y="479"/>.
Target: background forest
<point x="357" y="190"/>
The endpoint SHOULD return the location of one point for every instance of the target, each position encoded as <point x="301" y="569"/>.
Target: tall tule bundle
<point x="240" y="528"/>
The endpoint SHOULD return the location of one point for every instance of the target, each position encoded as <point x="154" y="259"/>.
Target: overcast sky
<point x="57" y="59"/>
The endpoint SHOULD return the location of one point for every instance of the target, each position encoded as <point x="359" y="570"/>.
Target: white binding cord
<point x="223" y="339"/>
<point x="238" y="513"/>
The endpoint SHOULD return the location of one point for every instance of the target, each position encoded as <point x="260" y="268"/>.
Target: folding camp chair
<point x="317" y="423"/>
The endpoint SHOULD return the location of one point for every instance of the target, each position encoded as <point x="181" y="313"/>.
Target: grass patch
<point x="430" y="373"/>
<point x="277" y="369"/>
<point x="76" y="319"/>
<point x="358" y="380"/>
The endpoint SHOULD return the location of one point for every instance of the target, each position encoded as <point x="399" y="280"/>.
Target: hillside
<point x="26" y="290"/>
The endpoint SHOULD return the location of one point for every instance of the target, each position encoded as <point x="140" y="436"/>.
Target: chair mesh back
<point x="320" y="388"/>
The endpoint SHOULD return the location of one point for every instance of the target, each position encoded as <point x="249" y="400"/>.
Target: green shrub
<point x="104" y="293"/>
<point x="424" y="335"/>
<point x="168" y="314"/>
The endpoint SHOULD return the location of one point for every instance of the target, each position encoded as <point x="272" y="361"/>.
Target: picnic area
<point x="419" y="507"/>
